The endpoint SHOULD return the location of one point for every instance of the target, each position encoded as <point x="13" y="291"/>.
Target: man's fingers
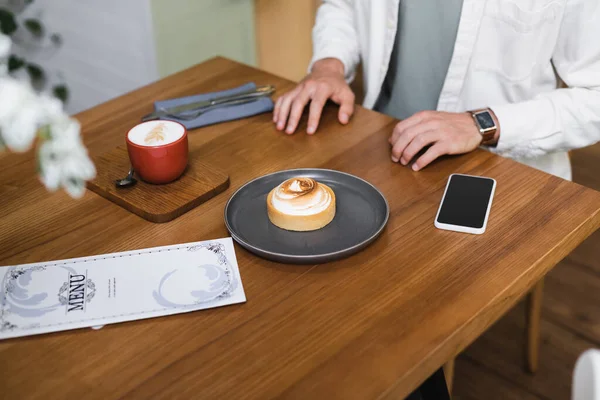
<point x="277" y="108"/>
<point x="417" y="144"/>
<point x="431" y="154"/>
<point x="289" y="107"/>
<point x="408" y="123"/>
<point x="297" y="108"/>
<point x="346" y="101"/>
<point x="345" y="112"/>
<point x="316" y="108"/>
<point x="402" y="140"/>
<point x="284" y="109"/>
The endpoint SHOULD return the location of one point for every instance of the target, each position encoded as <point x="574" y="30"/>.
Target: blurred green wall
<point x="190" y="31"/>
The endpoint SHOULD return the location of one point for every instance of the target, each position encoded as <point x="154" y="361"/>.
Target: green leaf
<point x="14" y="63"/>
<point x="44" y="133"/>
<point x="62" y="92"/>
<point x="35" y="27"/>
<point x="8" y="24"/>
<point x="36" y="72"/>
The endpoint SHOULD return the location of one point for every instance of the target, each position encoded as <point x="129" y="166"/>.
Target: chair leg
<point x="449" y="374"/>
<point x="534" y="315"/>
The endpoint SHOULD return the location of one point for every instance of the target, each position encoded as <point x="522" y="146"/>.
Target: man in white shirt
<point x="461" y="74"/>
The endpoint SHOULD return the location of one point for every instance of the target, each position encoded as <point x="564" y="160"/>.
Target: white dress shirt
<point x="505" y="57"/>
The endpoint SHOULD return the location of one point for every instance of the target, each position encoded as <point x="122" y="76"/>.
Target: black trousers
<point x="434" y="388"/>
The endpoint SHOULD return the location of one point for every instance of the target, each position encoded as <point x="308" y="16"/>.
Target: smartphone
<point x="466" y="204"/>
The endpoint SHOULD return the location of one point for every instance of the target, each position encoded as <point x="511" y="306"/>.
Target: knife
<point x="250" y="95"/>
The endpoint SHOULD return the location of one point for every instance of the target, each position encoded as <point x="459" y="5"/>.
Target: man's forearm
<point x="335" y="36"/>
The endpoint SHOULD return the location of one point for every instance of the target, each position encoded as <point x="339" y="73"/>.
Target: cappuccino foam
<point x="156" y="133"/>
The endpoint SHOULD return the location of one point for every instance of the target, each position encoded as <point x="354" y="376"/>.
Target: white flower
<point x="51" y="108"/>
<point x="63" y="159"/>
<point x="20" y="114"/>
<point x="4" y="51"/>
<point x="5" y="44"/>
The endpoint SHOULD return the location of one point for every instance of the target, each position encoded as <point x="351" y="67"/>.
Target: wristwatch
<point x="486" y="125"/>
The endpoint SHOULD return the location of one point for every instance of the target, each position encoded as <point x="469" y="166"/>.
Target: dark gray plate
<point x="361" y="215"/>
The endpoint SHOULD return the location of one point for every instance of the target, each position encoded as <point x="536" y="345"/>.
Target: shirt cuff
<point x="510" y="123"/>
<point x="523" y="123"/>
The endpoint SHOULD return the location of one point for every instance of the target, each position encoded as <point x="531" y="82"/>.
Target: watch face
<point x="485" y="120"/>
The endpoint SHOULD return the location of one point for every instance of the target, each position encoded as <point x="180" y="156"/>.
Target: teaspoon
<point x="129" y="180"/>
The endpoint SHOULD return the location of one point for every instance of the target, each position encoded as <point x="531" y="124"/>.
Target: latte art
<point x="156" y="133"/>
<point x="301" y="196"/>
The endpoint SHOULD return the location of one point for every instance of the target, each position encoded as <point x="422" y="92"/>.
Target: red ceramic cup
<point x="158" y="150"/>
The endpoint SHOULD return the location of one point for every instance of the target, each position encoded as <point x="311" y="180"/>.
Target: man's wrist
<point x="328" y="65"/>
<point x="487" y="141"/>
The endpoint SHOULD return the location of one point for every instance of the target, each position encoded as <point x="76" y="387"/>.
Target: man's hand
<point x="446" y="133"/>
<point x="326" y="81"/>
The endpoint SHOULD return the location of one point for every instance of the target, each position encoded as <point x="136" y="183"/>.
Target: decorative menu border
<point x="9" y="283"/>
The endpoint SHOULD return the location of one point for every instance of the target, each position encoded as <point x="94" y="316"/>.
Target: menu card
<point x="105" y="289"/>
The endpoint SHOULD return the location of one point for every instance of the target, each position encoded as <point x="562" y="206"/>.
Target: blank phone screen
<point x="466" y="201"/>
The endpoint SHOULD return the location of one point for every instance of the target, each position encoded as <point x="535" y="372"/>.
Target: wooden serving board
<point x="157" y="203"/>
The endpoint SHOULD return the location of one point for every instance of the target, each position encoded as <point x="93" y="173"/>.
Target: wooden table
<point x="374" y="325"/>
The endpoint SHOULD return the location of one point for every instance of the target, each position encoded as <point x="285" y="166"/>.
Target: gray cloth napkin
<point x="221" y="113"/>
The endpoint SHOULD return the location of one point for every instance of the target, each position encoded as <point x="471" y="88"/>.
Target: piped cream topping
<point x="301" y="196"/>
